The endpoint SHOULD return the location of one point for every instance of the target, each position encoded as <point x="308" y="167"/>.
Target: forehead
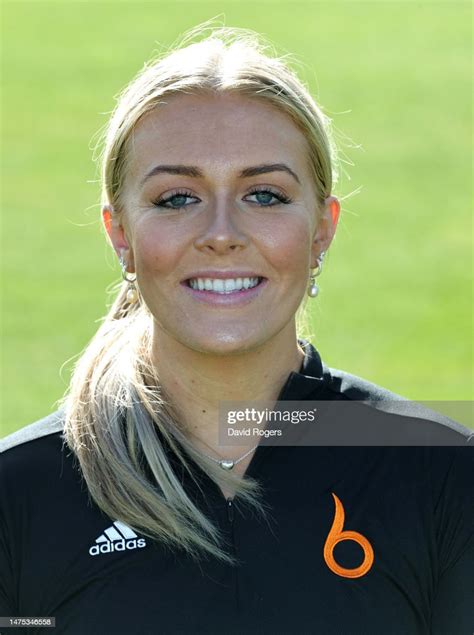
<point x="218" y="130"/>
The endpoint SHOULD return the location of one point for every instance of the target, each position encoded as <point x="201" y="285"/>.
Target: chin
<point x="227" y="343"/>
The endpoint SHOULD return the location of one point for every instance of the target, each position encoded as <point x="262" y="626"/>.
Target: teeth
<point x="223" y="286"/>
<point x="230" y="285"/>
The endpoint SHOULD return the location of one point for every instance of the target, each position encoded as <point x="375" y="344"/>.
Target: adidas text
<point x="117" y="545"/>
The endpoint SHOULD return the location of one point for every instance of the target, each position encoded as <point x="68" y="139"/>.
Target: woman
<point x="122" y="512"/>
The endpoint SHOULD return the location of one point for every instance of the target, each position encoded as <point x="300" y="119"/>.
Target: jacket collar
<point x="308" y="380"/>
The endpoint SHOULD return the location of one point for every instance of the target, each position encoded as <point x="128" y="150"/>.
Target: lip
<point x="222" y="275"/>
<point x="236" y="298"/>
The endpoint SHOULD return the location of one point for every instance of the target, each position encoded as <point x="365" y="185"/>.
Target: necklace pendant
<point x="226" y="464"/>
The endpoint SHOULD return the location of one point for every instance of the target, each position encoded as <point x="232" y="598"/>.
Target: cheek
<point x="287" y="245"/>
<point x="284" y="242"/>
<point x="157" y="248"/>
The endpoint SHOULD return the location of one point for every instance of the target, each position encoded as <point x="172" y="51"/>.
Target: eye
<point x="265" y="195"/>
<point x="177" y="200"/>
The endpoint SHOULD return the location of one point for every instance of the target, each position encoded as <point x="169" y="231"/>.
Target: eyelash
<point x="282" y="199"/>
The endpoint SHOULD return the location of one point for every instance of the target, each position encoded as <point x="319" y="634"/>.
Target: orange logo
<point x="336" y="535"/>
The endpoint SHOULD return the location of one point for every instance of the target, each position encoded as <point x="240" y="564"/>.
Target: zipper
<point x="230" y="510"/>
<point x="230" y="518"/>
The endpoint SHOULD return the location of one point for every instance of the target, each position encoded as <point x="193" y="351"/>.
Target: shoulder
<point x="37" y="467"/>
<point x="356" y="388"/>
<point x="35" y="448"/>
<point x="34" y="432"/>
<point x="379" y="416"/>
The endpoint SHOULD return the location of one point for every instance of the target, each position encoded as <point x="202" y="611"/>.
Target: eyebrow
<point x="195" y="172"/>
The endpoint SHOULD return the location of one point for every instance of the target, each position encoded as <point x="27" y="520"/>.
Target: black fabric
<point x="414" y="505"/>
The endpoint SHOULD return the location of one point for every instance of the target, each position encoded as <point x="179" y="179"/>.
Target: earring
<point x="313" y="288"/>
<point x="132" y="294"/>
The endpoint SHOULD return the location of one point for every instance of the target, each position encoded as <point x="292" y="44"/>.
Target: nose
<point x="221" y="233"/>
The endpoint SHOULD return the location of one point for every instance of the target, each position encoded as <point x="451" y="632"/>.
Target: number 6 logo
<point x="336" y="535"/>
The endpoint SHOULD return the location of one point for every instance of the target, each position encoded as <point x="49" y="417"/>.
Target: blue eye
<point x="177" y="199"/>
<point x="264" y="197"/>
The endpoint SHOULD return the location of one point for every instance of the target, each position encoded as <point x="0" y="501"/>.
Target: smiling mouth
<point x="224" y="287"/>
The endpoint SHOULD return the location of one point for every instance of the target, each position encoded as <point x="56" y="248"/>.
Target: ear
<point x="325" y="229"/>
<point x="116" y="233"/>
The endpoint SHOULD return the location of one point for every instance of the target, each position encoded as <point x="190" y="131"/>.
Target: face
<point x="213" y="216"/>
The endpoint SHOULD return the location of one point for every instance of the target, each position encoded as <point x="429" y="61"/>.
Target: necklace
<point x="227" y="464"/>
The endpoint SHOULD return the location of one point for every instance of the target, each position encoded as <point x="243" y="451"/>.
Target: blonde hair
<point x="115" y="411"/>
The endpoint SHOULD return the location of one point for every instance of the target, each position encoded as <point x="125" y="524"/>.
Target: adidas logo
<point x="118" y="537"/>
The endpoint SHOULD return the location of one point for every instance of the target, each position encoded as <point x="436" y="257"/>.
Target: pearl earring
<point x="132" y="294"/>
<point x="313" y="288"/>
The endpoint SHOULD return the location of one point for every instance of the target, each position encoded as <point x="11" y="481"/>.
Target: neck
<point x="195" y="381"/>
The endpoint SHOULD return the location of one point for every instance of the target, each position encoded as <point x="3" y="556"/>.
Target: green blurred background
<point x="395" y="305"/>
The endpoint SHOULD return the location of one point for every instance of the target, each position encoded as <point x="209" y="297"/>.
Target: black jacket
<point x="406" y="568"/>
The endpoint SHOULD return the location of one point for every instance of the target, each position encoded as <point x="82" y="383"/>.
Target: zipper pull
<point x="230" y="510"/>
